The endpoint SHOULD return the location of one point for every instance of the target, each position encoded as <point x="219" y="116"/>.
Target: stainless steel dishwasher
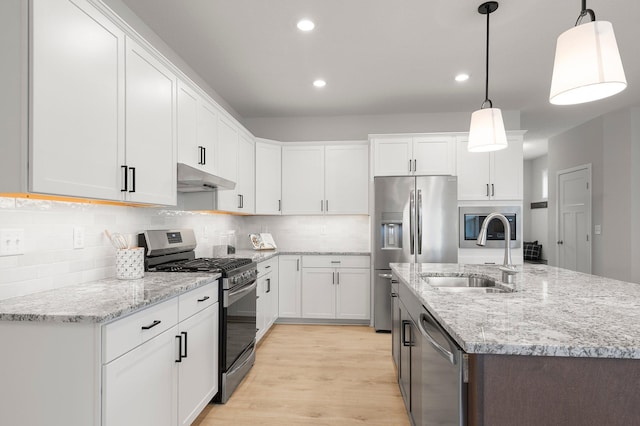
<point x="444" y="375"/>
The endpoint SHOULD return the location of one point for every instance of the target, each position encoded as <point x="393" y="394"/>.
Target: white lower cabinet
<point x="140" y="387"/>
<point x="289" y="286"/>
<point x="267" y="294"/>
<point x="336" y="287"/>
<point x="170" y="377"/>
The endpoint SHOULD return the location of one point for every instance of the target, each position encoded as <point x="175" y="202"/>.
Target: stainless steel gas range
<point x="173" y="251"/>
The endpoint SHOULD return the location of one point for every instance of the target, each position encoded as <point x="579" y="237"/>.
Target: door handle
<point x="268" y="285"/>
<point x="338" y="275"/>
<point x="419" y="202"/>
<point x="493" y="192"/>
<point x="125" y="179"/>
<point x="333" y="278"/>
<point x="560" y="242"/>
<point x="487" y="190"/>
<point x="179" y="337"/>
<point x="321" y="205"/>
<point x="445" y="353"/>
<point x="279" y="205"/>
<point x="409" y="165"/>
<point x="297" y="264"/>
<point x="387" y="276"/>
<point x="326" y="208"/>
<point x="150" y="326"/>
<point x="133" y="179"/>
<point x="415" y="165"/>
<point x="200" y="160"/>
<point x="412" y="213"/>
<point x="406" y="323"/>
<point x="184" y="333"/>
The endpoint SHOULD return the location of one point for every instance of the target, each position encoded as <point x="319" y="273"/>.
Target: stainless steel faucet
<point x="508" y="270"/>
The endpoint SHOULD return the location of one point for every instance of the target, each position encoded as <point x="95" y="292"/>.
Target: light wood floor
<point x="316" y="375"/>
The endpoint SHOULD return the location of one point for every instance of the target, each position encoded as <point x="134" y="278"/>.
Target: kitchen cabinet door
<point x="346" y="179"/>
<point x="140" y="387"/>
<point x="434" y="155"/>
<point x="268" y="178"/>
<point x="392" y="155"/>
<point x="490" y="176"/>
<point x="246" y="174"/>
<point x="319" y="293"/>
<point x="473" y="172"/>
<point x="353" y="299"/>
<point x="77" y="143"/>
<point x="289" y="286"/>
<point x="262" y="307"/>
<point x="198" y="371"/>
<point x="274" y="292"/>
<point x="150" y="101"/>
<point x="303" y="179"/>
<point x="228" y="199"/>
<point x="197" y="123"/>
<point x="507" y="172"/>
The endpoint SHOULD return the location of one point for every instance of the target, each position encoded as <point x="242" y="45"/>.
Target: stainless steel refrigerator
<point x="415" y="221"/>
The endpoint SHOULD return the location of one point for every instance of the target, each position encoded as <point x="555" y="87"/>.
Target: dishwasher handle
<point x="443" y="351"/>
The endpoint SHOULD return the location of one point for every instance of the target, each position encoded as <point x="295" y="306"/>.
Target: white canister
<point x="130" y="263"/>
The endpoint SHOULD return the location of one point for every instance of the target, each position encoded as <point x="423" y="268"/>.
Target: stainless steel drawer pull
<point x="203" y="299"/>
<point x="153" y="324"/>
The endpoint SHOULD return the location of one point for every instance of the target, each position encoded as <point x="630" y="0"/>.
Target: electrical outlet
<point x="78" y="238"/>
<point x="11" y="242"/>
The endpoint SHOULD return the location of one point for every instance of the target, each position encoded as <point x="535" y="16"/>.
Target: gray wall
<point x="357" y="127"/>
<point x="610" y="144"/>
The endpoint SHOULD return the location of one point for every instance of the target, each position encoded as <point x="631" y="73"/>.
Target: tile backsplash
<point x="50" y="261"/>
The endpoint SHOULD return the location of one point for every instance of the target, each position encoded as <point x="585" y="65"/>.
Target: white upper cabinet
<point x="268" y="177"/>
<point x="303" y="179"/>
<point x="405" y="155"/>
<point x="490" y="176"/>
<point x="346" y="179"/>
<point x="246" y="174"/>
<point x="77" y="137"/>
<point x="319" y="179"/>
<point x="150" y="101"/>
<point x="197" y="130"/>
<point x="103" y="123"/>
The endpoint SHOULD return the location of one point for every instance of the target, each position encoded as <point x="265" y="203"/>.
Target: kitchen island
<point x="562" y="349"/>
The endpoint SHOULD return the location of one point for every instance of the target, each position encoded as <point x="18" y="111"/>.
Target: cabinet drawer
<point x="196" y="300"/>
<point x="324" y="261"/>
<point x="125" y="334"/>
<point x="267" y="266"/>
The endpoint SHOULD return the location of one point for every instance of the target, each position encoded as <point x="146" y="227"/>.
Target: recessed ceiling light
<point x="305" y="25"/>
<point x="462" y="77"/>
<point x="319" y="83"/>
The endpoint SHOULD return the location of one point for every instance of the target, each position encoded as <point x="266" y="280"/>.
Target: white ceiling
<point x="387" y="56"/>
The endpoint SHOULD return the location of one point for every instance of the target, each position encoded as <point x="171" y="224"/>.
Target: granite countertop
<point x="101" y="301"/>
<point x="553" y="312"/>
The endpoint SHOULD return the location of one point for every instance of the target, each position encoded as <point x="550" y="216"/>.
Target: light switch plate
<point x="11" y="242"/>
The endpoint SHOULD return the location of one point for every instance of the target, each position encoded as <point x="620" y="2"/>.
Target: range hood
<point x="191" y="179"/>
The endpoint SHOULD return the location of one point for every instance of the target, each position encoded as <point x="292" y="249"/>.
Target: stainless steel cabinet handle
<point x="409" y="165"/>
<point x="415" y="165"/>
<point x="338" y="275"/>
<point x="333" y="278"/>
<point x="487" y="190"/>
<point x="419" y="202"/>
<point x="445" y="353"/>
<point x="493" y="192"/>
<point x="279" y="205"/>
<point x="388" y="276"/>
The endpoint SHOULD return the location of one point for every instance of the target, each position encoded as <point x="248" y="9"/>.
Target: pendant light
<point x="587" y="65"/>
<point x="487" y="132"/>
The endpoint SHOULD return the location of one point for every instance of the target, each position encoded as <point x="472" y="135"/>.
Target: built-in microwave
<point x="471" y="219"/>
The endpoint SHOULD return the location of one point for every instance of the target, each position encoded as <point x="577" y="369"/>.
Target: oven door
<point x="239" y="322"/>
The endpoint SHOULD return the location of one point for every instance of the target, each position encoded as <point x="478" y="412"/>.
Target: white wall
<point x="357" y="127"/>
<point x="610" y="143"/>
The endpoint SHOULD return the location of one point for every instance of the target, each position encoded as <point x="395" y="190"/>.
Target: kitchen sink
<point x="466" y="284"/>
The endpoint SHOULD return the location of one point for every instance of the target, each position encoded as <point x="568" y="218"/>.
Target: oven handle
<point x="232" y="296"/>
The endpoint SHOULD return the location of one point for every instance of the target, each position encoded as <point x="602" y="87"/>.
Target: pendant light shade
<point x="587" y="64"/>
<point x="486" y="132"/>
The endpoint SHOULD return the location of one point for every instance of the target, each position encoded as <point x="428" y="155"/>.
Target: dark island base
<point x="506" y="390"/>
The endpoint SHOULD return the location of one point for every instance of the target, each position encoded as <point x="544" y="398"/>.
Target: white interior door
<point x="574" y="219"/>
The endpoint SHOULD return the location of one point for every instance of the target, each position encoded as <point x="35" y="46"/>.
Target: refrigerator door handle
<point x="412" y="214"/>
<point x="419" y="202"/>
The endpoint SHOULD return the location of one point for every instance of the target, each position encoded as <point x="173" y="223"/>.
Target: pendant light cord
<point x="486" y="78"/>
<point x="584" y="12"/>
